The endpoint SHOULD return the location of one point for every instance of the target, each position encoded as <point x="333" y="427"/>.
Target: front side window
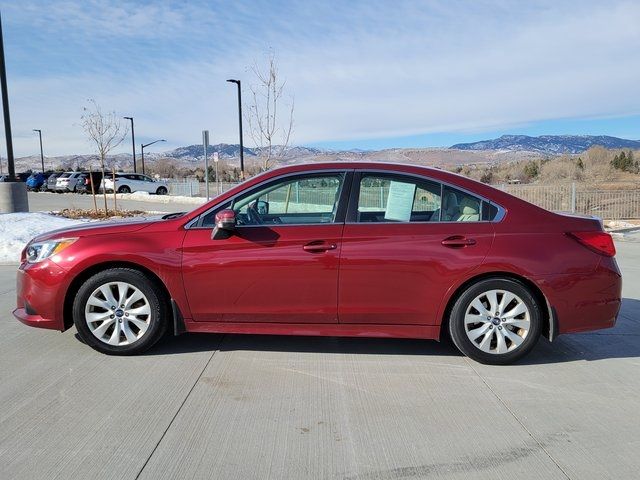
<point x="396" y="198"/>
<point x="309" y="199"/>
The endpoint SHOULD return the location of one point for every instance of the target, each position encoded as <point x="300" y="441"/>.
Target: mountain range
<point x="549" y="144"/>
<point x="504" y="148"/>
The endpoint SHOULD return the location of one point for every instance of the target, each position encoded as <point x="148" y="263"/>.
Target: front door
<point x="406" y="241"/>
<point x="280" y="265"/>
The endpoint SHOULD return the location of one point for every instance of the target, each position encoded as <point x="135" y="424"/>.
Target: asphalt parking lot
<point x="245" y="407"/>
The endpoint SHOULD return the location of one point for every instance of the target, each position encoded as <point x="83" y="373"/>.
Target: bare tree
<point x="268" y="130"/>
<point x="106" y="131"/>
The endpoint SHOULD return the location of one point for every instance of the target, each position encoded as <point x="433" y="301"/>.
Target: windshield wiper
<point x="169" y="216"/>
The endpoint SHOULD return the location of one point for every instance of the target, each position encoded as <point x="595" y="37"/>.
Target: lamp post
<point x="237" y="82"/>
<point x="13" y="194"/>
<point x="5" y="109"/>
<point x="143" y="146"/>
<point x="133" y="143"/>
<point x="41" y="154"/>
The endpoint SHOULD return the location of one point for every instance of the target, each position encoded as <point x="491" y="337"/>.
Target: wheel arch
<point x="549" y="318"/>
<point x="99" y="267"/>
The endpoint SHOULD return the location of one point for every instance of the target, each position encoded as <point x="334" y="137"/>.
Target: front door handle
<point x="458" y="241"/>
<point x="319" y="246"/>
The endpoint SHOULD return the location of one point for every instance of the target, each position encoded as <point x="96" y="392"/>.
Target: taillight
<point x="599" y="242"/>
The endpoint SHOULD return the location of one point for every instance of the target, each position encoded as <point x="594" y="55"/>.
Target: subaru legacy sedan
<point x="337" y="249"/>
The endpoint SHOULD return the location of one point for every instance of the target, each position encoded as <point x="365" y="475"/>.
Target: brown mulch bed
<point x="79" y="213"/>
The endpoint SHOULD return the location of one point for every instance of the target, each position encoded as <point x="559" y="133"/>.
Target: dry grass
<point x="79" y="213"/>
<point x="592" y="169"/>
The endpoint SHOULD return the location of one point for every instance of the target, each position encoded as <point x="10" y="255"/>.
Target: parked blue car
<point x="35" y="181"/>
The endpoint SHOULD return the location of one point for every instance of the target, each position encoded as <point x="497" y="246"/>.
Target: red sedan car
<point x="343" y="249"/>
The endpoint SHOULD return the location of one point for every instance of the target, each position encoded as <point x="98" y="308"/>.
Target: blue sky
<point x="364" y="74"/>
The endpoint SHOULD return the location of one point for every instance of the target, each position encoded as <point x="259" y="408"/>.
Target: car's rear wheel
<point x="161" y="191"/>
<point x="124" y="189"/>
<point x="120" y="311"/>
<point x="496" y="321"/>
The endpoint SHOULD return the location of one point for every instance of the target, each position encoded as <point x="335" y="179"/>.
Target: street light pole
<point x="142" y="147"/>
<point x="5" y="109"/>
<point x="133" y="143"/>
<point x="41" y="153"/>
<point x="237" y="82"/>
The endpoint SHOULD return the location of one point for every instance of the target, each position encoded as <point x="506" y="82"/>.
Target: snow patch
<point x="17" y="229"/>
<point x="146" y="197"/>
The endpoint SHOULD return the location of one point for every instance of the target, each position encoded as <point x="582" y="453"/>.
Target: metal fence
<point x="194" y="188"/>
<point x="606" y="204"/>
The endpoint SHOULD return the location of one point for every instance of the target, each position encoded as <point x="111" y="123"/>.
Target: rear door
<point x="402" y="248"/>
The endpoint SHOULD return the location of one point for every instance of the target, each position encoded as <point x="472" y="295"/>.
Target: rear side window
<point x="459" y="206"/>
<point x="396" y="198"/>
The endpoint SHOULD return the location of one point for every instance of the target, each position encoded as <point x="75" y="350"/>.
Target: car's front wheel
<point x="120" y="311"/>
<point x="161" y="191"/>
<point x="496" y="321"/>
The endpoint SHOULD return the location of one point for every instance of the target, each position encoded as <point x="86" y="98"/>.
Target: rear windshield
<point x="65" y="175"/>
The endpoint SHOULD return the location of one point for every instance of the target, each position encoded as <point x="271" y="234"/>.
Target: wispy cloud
<point x="360" y="69"/>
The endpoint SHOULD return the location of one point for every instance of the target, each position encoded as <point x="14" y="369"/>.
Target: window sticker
<point x="400" y="201"/>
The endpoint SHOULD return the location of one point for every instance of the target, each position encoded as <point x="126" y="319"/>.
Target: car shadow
<point x="196" y="342"/>
<point x="622" y="341"/>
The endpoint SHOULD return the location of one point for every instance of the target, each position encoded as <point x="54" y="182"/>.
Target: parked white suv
<point x="134" y="182"/>
<point x="67" y="181"/>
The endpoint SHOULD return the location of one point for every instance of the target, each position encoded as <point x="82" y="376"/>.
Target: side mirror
<point x="225" y="224"/>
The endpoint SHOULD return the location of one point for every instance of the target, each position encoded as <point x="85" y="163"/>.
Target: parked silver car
<point x="68" y="181"/>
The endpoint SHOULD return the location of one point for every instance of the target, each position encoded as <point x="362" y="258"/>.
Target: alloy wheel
<point x="118" y="313"/>
<point x="497" y="321"/>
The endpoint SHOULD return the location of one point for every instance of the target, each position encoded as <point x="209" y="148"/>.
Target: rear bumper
<point x="584" y="302"/>
<point x="40" y="289"/>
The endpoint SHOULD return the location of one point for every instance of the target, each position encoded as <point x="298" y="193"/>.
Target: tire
<point x="502" y="334"/>
<point x="124" y="189"/>
<point x="161" y="191"/>
<point x="136" y="332"/>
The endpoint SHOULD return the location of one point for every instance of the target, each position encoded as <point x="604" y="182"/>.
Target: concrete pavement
<point x="234" y="406"/>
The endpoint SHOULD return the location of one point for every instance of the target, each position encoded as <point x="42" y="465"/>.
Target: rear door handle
<point x="458" y="241"/>
<point x="319" y="246"/>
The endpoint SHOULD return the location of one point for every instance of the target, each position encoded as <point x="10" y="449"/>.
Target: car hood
<point x="117" y="226"/>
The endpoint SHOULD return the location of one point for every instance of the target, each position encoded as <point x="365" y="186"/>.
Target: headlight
<point x="39" y="251"/>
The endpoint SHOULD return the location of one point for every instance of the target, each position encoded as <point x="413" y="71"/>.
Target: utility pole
<point x="205" y="144"/>
<point x="41" y="154"/>
<point x="237" y="82"/>
<point x="133" y="143"/>
<point x="216" y="158"/>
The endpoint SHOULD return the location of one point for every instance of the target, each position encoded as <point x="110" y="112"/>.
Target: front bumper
<point x="40" y="295"/>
